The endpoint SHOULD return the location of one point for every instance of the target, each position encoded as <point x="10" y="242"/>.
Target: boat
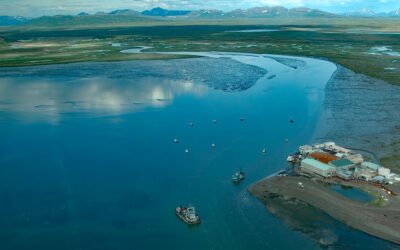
<point x="296" y="157"/>
<point x="188" y="215"/>
<point x="290" y="158"/>
<point x="238" y="177"/>
<point x="264" y="151"/>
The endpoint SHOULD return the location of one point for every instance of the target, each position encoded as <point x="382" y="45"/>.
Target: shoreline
<point x="362" y="113"/>
<point x="358" y="113"/>
<point x="382" y="222"/>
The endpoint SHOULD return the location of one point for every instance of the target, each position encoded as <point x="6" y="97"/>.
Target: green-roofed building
<point x="316" y="167"/>
<point x="342" y="163"/>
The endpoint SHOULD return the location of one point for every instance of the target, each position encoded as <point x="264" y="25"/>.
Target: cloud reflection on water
<point x="50" y="98"/>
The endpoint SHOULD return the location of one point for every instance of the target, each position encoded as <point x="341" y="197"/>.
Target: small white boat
<point x="215" y="121"/>
<point x="213" y="145"/>
<point x="264" y="151"/>
<point x="191" y="124"/>
<point x="186" y="150"/>
<point x="176" y="140"/>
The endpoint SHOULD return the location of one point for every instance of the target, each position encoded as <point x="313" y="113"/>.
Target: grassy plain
<point x="366" y="45"/>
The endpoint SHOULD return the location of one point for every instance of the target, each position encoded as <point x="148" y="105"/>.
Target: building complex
<point x="330" y="160"/>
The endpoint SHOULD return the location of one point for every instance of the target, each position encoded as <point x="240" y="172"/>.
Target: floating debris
<point x="215" y="121"/>
<point x="286" y="140"/>
<point x="176" y="140"/>
<point x="191" y="124"/>
<point x="241" y="119"/>
<point x="291" y="121"/>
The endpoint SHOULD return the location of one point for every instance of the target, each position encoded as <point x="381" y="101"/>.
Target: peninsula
<point x="318" y="167"/>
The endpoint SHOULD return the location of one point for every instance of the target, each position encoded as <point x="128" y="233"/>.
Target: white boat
<point x="188" y="215"/>
<point x="290" y="158"/>
<point x="238" y="177"/>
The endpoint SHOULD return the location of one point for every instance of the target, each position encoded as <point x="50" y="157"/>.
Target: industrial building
<point x="344" y="174"/>
<point x="371" y="166"/>
<point x="364" y="174"/>
<point x="313" y="166"/>
<point x="344" y="164"/>
<point x="328" y="159"/>
<point x="323" y="157"/>
<point x="356" y="158"/>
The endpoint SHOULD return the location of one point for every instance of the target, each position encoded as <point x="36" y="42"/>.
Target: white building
<point x="370" y="166"/>
<point x="312" y="166"/>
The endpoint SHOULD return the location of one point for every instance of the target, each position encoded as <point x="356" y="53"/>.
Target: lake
<point x="88" y="159"/>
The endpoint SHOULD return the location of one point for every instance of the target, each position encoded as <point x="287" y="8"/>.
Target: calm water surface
<point x="352" y="193"/>
<point x="87" y="159"/>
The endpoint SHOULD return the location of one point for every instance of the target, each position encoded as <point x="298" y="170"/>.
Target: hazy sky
<point x="51" y="7"/>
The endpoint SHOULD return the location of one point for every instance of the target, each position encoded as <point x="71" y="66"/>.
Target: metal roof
<point x="341" y="163"/>
<point x="370" y="165"/>
<point x="317" y="164"/>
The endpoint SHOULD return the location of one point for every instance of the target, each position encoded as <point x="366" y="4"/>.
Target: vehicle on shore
<point x="188" y="215"/>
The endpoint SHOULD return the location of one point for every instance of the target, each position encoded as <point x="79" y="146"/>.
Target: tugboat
<point x="188" y="215"/>
<point x="238" y="177"/>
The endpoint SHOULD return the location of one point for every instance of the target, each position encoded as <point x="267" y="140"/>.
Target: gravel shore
<point x="382" y="222"/>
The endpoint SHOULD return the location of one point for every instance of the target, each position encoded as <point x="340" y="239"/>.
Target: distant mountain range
<point x="164" y="13"/>
<point x="128" y="15"/>
<point x="11" y="20"/>
<point x="371" y="13"/>
<point x="258" y="12"/>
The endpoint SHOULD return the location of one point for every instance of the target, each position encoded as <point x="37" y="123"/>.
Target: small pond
<point x="352" y="193"/>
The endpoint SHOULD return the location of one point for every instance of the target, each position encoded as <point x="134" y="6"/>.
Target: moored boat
<point x="238" y="177"/>
<point x="296" y="157"/>
<point x="188" y="215"/>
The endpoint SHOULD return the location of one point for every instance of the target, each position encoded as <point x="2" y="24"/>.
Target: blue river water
<point x="88" y="159"/>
